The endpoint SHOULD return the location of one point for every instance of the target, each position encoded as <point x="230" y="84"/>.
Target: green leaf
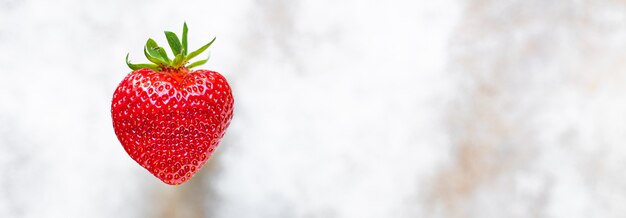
<point x="151" y="45"/>
<point x="185" y="30"/>
<point x="140" y="66"/>
<point x="163" y="54"/>
<point x="174" y="42"/>
<point x="200" y="50"/>
<point x="156" y="52"/>
<point x="157" y="60"/>
<point x="178" y="61"/>
<point x="198" y="63"/>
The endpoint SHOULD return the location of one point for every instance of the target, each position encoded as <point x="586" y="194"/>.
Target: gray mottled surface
<point x="479" y="108"/>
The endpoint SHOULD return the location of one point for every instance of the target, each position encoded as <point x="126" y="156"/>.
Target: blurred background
<point x="354" y="108"/>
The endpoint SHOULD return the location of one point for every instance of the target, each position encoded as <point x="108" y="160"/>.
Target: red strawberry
<point x="169" y="118"/>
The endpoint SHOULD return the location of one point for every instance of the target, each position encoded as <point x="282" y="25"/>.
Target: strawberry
<point x="168" y="117"/>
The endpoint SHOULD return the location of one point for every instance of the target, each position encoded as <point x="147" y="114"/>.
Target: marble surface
<point x="478" y="108"/>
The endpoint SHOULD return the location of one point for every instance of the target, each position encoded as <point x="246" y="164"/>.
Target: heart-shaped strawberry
<point x="169" y="118"/>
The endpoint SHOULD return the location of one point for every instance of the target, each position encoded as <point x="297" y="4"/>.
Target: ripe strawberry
<point x="168" y="117"/>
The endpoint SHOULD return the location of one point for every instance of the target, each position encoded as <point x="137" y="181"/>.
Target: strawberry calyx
<point x="162" y="63"/>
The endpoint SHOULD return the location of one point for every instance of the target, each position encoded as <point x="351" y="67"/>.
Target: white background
<point x="342" y="108"/>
